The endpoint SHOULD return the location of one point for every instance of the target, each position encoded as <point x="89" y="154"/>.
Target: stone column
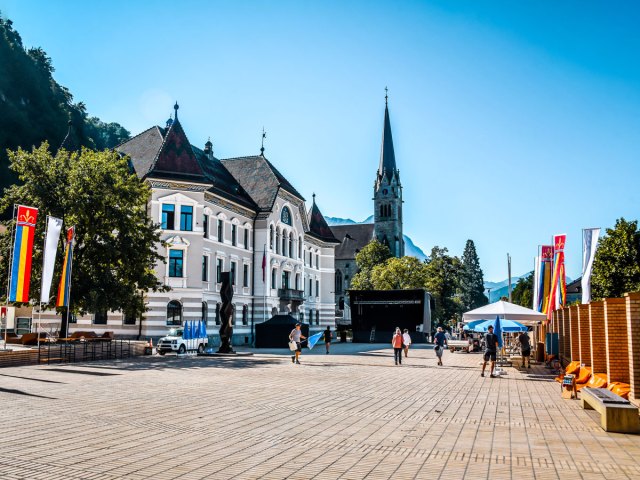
<point x="575" y="333"/>
<point x="585" y="335"/>
<point x="615" y="320"/>
<point x="633" y="329"/>
<point x="598" y="342"/>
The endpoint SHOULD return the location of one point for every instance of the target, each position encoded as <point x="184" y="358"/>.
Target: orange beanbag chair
<point x="572" y="368"/>
<point x="583" y="375"/>
<point x="598" y="380"/>
<point x="619" y="388"/>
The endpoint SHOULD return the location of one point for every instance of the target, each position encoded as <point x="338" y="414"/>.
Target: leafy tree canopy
<point x="374" y="253"/>
<point x="399" y="274"/>
<point x="471" y="279"/>
<point x="616" y="267"/>
<point x="522" y="293"/>
<point x="443" y="277"/>
<point x="115" y="255"/>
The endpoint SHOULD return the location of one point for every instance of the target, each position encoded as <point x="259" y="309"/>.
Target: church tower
<point x="387" y="194"/>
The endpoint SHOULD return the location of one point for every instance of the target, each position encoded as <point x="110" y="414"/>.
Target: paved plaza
<point x="348" y="415"/>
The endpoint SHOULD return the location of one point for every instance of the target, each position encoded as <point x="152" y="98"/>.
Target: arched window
<point x="382" y="210"/>
<point x="274" y="272"/>
<point x="205" y="311"/>
<point x="271" y="237"/>
<point x="245" y="315"/>
<point x="284" y="243"/>
<point x="299" y="247"/>
<point x="338" y="282"/>
<point x="297" y="281"/>
<point x="218" y="313"/>
<point x="285" y="217"/>
<point x="174" y="313"/>
<point x="278" y="240"/>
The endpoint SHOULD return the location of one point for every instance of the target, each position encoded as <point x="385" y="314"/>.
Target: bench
<point x="616" y="413"/>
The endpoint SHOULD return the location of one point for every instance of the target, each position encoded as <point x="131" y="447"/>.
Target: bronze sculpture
<point x="226" y="310"/>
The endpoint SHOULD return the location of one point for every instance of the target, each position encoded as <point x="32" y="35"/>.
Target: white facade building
<point x="237" y="215"/>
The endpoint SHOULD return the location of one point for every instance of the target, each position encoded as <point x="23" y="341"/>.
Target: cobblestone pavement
<point x="348" y="415"/>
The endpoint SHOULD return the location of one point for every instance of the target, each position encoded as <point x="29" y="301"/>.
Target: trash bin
<point x="540" y="352"/>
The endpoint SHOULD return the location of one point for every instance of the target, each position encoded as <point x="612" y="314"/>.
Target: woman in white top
<point x="406" y="339"/>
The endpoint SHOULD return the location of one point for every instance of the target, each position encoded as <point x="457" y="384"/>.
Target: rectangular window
<point x="317" y="288"/>
<point x="205" y="268"/>
<point x="220" y="231"/>
<point x="186" y="218"/>
<point x="310" y="288"/>
<point x="273" y="278"/>
<point x="285" y="280"/>
<point x="100" y="318"/>
<point x="175" y="263"/>
<point x="168" y="217"/>
<point x="317" y="260"/>
<point x="129" y="319"/>
<point x="234" y="235"/>
<point x="233" y="273"/>
<point x="219" y="270"/>
<point x="246" y="238"/>
<point x="205" y="225"/>
<point x="245" y="276"/>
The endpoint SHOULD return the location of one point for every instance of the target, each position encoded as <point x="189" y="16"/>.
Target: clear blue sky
<point x="512" y="121"/>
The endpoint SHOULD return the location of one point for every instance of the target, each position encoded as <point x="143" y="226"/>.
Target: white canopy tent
<point x="506" y="311"/>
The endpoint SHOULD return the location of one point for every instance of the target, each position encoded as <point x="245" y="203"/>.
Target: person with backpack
<point x="440" y="340"/>
<point x="491" y="350"/>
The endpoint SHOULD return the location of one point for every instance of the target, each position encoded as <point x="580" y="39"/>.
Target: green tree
<point x="522" y="293"/>
<point x="616" y="267"/>
<point x="374" y="253"/>
<point x="471" y="279"/>
<point x="115" y="252"/>
<point x="442" y="282"/>
<point x="399" y="274"/>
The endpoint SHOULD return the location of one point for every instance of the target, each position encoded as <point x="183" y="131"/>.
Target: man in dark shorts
<point x="327" y="339"/>
<point x="440" y="340"/>
<point x="491" y="351"/>
<point x="296" y="336"/>
<point x="525" y="349"/>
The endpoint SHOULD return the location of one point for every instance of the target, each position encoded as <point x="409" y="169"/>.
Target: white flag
<point x="589" y="244"/>
<point x="54" y="225"/>
<point x="536" y="282"/>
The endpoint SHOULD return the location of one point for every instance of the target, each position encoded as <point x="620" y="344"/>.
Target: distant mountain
<point x="410" y="248"/>
<point x="501" y="289"/>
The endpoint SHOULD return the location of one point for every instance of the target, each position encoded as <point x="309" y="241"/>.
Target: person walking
<point x="406" y="339"/>
<point x="491" y="350"/>
<point x="296" y="336"/>
<point x="440" y="340"/>
<point x="396" y="343"/>
<point x="525" y="349"/>
<point x="327" y="338"/>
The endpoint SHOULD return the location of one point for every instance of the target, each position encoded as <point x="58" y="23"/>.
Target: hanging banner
<point x="54" y="225"/>
<point x="544" y="277"/>
<point x="557" y="296"/>
<point x="536" y="281"/>
<point x="589" y="245"/>
<point x="64" y="289"/>
<point x="20" y="275"/>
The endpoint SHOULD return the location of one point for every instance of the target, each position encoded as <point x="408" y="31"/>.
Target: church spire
<point x="387" y="154"/>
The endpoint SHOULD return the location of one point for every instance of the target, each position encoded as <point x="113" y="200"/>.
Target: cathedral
<point x="386" y="226"/>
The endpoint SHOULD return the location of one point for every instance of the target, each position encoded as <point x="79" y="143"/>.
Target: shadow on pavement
<point x="20" y="392"/>
<point x="30" y="378"/>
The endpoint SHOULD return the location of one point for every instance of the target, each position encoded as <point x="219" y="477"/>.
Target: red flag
<point x="264" y="264"/>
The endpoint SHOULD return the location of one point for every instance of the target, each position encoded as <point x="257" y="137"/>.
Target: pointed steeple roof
<point x="387" y="154"/>
<point x="176" y="157"/>
<point x="318" y="227"/>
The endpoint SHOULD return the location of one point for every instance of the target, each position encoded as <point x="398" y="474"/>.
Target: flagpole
<point x="69" y="286"/>
<point x="6" y="318"/>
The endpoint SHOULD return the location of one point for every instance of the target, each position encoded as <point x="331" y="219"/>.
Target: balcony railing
<point x="287" y="294"/>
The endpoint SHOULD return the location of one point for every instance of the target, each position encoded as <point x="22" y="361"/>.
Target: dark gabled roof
<point x="143" y="149"/>
<point x="575" y="286"/>
<point x="259" y="178"/>
<point x="387" y="154"/>
<point x="352" y="237"/>
<point x="176" y="156"/>
<point x="318" y="227"/>
<point x="224" y="184"/>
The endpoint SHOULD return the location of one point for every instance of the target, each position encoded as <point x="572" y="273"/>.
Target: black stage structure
<point x="274" y="333"/>
<point x="376" y="313"/>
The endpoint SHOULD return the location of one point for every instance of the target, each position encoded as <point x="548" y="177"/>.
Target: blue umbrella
<point x="497" y="329"/>
<point x="472" y="325"/>
<point x="186" y="331"/>
<point x="506" y="325"/>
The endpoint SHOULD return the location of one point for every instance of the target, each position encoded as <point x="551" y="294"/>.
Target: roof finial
<point x="176" y="107"/>
<point x="264" y="135"/>
<point x="386" y="96"/>
<point x="314" y="197"/>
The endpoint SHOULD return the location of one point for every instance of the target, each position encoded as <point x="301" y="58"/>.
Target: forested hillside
<point x="35" y="108"/>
